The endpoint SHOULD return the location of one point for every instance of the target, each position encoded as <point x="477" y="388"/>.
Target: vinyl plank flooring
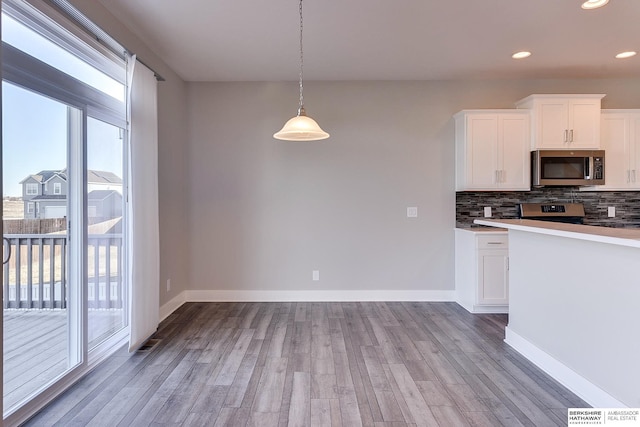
<point x="318" y="364"/>
<point x="412" y="396"/>
<point x="234" y="360"/>
<point x="269" y="394"/>
<point x="300" y="407"/>
<point x="449" y="416"/>
<point x="320" y="415"/>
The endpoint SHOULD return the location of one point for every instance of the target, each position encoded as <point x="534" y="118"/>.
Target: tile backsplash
<point x="470" y="204"/>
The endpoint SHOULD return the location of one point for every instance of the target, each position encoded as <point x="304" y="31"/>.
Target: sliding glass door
<point x="64" y="196"/>
<point x="105" y="231"/>
<point x="39" y="284"/>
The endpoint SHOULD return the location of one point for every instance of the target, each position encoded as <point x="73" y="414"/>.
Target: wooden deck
<point x="35" y="347"/>
<point x="318" y="364"/>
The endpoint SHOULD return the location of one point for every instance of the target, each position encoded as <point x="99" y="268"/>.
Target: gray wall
<point x="265" y="213"/>
<point x="172" y="166"/>
<point x="239" y="210"/>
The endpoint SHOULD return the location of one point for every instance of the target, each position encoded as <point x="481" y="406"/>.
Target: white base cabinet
<point x="482" y="270"/>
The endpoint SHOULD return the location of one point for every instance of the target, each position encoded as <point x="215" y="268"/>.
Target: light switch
<point x="487" y="212"/>
<point x="412" y="212"/>
<point x="611" y="211"/>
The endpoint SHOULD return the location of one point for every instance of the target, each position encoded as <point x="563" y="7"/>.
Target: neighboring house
<point x="104" y="204"/>
<point x="101" y="180"/>
<point x="45" y="194"/>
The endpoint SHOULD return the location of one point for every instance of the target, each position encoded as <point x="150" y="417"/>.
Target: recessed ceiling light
<point x="623" y="55"/>
<point x="594" y="4"/>
<point x="521" y="55"/>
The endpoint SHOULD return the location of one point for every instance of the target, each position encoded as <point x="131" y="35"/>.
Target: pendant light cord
<point x="301" y="111"/>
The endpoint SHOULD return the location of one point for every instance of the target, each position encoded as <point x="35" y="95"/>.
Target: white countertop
<point x="616" y="236"/>
<point x="491" y="230"/>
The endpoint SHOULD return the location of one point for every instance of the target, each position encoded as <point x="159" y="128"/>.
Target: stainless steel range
<point x="559" y="212"/>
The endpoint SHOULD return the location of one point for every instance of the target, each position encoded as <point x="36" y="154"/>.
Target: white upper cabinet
<point x="620" y="139"/>
<point x="564" y="121"/>
<point x="492" y="150"/>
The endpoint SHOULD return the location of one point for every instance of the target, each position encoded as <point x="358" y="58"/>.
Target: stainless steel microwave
<point x="567" y="167"/>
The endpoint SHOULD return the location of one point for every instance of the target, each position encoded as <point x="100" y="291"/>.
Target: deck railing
<point x="36" y="276"/>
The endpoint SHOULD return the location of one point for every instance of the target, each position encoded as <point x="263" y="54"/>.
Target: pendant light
<point x="301" y="127"/>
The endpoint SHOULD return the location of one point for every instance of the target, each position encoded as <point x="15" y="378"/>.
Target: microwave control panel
<point x="598" y="168"/>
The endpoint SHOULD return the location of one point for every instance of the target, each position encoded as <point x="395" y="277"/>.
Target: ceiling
<point x="257" y="40"/>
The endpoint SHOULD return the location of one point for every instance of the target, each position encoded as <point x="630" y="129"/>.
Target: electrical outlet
<point x="412" y="212"/>
<point x="168" y="285"/>
<point x="487" y="212"/>
<point x="315" y="275"/>
<point x="611" y="211"/>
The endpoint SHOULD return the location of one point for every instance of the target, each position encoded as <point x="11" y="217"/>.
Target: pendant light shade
<point x="301" y="127"/>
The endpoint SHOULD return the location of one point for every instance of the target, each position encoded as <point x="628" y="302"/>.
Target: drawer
<point x="493" y="241"/>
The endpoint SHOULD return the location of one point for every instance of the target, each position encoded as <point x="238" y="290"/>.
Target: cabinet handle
<point x="628" y="176"/>
<point x="495" y="243"/>
<point x="566" y="135"/>
<point x="502" y="176"/>
<point x="506" y="261"/>
<point x="571" y="135"/>
<point x="633" y="174"/>
<point x="495" y="177"/>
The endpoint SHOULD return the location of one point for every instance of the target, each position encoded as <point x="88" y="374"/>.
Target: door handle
<point x="7" y="253"/>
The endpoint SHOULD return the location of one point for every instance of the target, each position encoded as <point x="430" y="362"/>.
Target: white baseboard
<point x="172" y="305"/>
<point x="316" y="296"/>
<point x="484" y="309"/>
<point x="575" y="382"/>
<point x="301" y="296"/>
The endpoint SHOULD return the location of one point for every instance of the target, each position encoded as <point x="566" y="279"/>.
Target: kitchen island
<point x="574" y="306"/>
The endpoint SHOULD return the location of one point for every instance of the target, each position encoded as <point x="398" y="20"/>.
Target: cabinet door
<point x="634" y="150"/>
<point x="615" y="142"/>
<point x="513" y="152"/>
<point x="552" y="124"/>
<point x="584" y="123"/>
<point x="493" y="286"/>
<point x="481" y="151"/>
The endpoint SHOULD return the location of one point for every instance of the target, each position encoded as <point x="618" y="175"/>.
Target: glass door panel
<point x="105" y="229"/>
<point x="40" y="335"/>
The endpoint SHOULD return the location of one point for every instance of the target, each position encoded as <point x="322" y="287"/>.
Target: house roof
<point x="46" y="175"/>
<point x="48" y="197"/>
<point x="93" y="176"/>
<point x="101" y="194"/>
<point x="103" y="177"/>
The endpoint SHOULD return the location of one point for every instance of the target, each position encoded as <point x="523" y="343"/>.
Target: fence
<point x="34" y="226"/>
<point x="36" y="276"/>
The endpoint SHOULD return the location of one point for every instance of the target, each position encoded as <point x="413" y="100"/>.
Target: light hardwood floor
<point x="318" y="364"/>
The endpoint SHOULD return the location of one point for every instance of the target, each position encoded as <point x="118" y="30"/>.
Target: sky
<point x="34" y="127"/>
<point x="34" y="138"/>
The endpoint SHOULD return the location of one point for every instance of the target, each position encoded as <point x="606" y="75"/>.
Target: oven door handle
<point x="588" y="167"/>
